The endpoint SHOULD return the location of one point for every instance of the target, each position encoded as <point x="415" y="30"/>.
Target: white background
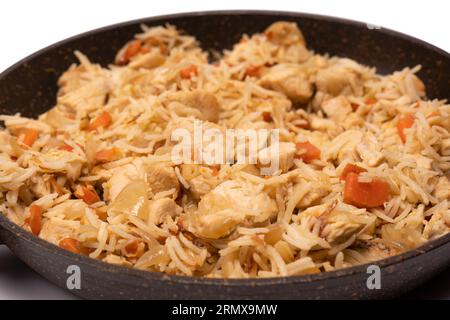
<point x="27" y="26"/>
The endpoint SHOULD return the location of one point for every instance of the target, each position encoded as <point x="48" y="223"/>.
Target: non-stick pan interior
<point x="31" y="88"/>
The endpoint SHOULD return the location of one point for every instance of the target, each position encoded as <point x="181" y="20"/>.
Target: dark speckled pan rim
<point x="17" y="231"/>
<point x="148" y="275"/>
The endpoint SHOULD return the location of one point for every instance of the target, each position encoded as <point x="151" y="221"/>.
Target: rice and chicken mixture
<point x="364" y="160"/>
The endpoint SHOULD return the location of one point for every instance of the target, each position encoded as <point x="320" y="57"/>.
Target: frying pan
<point x="29" y="87"/>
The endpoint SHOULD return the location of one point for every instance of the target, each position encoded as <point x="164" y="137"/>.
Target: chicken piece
<point x="294" y="53"/>
<point x="206" y="103"/>
<point x="278" y="156"/>
<point x="442" y="189"/>
<point x="162" y="178"/>
<point x="338" y="80"/>
<point x="71" y="79"/>
<point x="343" y="147"/>
<point x="60" y="161"/>
<point x="84" y="88"/>
<point x="289" y="80"/>
<point x="337" y="108"/>
<point x="160" y="208"/>
<point x="445" y="145"/>
<point x="200" y="186"/>
<point x="312" y="197"/>
<point x="69" y="209"/>
<point x="414" y="87"/>
<point x="55" y="228"/>
<point x="321" y="124"/>
<point x="409" y="236"/>
<point x="369" y="150"/>
<point x="423" y="162"/>
<point x="120" y="178"/>
<point x="40" y="187"/>
<point x="376" y="249"/>
<point x="180" y="133"/>
<point x="200" y="178"/>
<point x="284" y="33"/>
<point x="437" y="226"/>
<point x="290" y="42"/>
<point x="57" y="119"/>
<point x="227" y="206"/>
<point x="343" y="221"/>
<point x="132" y="200"/>
<point x="148" y="60"/>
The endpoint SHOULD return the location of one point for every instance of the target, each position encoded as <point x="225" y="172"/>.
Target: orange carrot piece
<point x="105" y="156"/>
<point x="35" y="219"/>
<point x="309" y="152"/>
<point x="252" y="71"/>
<point x="404" y="123"/>
<point x="189" y="71"/>
<point x="365" y="195"/>
<point x="351" y="168"/>
<point x="87" y="194"/>
<point x="70" y="244"/>
<point x="101" y="214"/>
<point x="371" y="101"/>
<point x="433" y="114"/>
<point x="56" y="186"/>
<point x="29" y="137"/>
<point x="133" y="48"/>
<point x="132" y="247"/>
<point x="65" y="147"/>
<point x="103" y="120"/>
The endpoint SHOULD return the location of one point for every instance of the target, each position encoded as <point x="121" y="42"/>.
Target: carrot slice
<point x="132" y="247"/>
<point x="308" y="151"/>
<point x="351" y="168"/>
<point x="35" y="219"/>
<point x="65" y="147"/>
<point x="365" y="195"/>
<point x="105" y="156"/>
<point x="371" y="101"/>
<point x="70" y="244"/>
<point x="267" y="116"/>
<point x="56" y="186"/>
<point x="252" y="71"/>
<point x="102" y="121"/>
<point x="101" y="214"/>
<point x="189" y="71"/>
<point x="404" y="123"/>
<point x="133" y="48"/>
<point x="87" y="194"/>
<point x="29" y="137"/>
<point x="215" y="171"/>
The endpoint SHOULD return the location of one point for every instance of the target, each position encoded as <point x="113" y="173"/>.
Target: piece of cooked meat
<point x="289" y="80"/>
<point x="338" y="80"/>
<point x="206" y="103"/>
<point x="227" y="206"/>
<point x="162" y="178"/>
<point x="284" y="33"/>
<point x="160" y="208"/>
<point x="284" y="156"/>
<point x="442" y="189"/>
<point x="337" y="108"/>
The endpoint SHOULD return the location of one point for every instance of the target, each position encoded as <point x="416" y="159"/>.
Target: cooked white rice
<point x="94" y="174"/>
